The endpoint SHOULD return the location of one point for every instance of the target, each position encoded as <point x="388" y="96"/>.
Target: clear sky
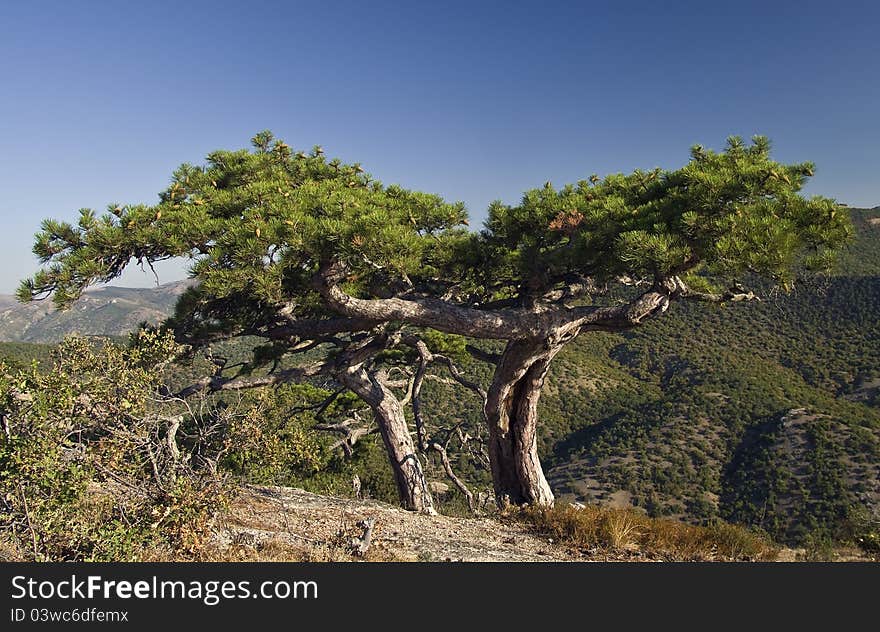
<point x="475" y="101"/>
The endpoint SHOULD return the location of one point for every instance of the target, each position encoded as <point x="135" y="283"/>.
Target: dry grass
<point x="9" y="551"/>
<point x="591" y="529"/>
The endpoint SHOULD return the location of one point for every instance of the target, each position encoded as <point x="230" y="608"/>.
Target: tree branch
<point x="216" y="383"/>
<point x="351" y="435"/>
<point x="428" y="312"/>
<point x="483" y="356"/>
<point x="558" y="323"/>
<point x="318" y="327"/>
<point x="461" y="379"/>
<point x="425" y="358"/>
<point x="450" y="473"/>
<point x="320" y="407"/>
<point x="733" y="294"/>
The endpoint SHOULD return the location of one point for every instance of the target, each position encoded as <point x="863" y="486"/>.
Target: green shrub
<point x="91" y="467"/>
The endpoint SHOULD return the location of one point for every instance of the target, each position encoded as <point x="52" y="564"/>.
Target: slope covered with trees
<point x="767" y="416"/>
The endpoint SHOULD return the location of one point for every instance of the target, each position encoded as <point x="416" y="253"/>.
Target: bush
<point x="91" y="465"/>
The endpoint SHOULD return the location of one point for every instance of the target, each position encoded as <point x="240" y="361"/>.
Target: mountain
<point x="104" y="311"/>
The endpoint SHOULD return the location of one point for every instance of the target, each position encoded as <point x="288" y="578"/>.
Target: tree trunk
<point x="412" y="486"/>
<point x="512" y="413"/>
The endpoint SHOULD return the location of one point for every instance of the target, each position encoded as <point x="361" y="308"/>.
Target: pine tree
<point x="297" y="249"/>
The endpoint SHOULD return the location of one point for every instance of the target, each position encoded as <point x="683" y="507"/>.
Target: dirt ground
<point x="276" y="520"/>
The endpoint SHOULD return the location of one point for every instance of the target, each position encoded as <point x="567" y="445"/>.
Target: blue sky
<point x="475" y="101"/>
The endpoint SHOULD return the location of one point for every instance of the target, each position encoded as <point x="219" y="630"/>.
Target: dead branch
<point x="450" y="473"/>
<point x="27" y="515"/>
<point x="351" y="435"/>
<point x="425" y="357"/>
<point x="478" y="453"/>
<point x="425" y="443"/>
<point x="155" y="466"/>
<point x="734" y="294"/>
<point x="362" y="543"/>
<point x="320" y="408"/>
<point x="216" y="383"/>
<point x="460" y="378"/>
<point x="170" y="437"/>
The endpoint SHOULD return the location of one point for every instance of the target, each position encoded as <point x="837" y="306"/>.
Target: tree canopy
<point x="256" y="225"/>
<point x="721" y="215"/>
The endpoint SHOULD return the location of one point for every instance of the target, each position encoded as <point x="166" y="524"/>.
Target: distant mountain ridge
<point x="104" y="311"/>
<point x="863" y="257"/>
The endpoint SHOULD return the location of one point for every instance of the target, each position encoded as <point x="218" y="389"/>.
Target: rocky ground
<point x="281" y="522"/>
<point x="286" y="524"/>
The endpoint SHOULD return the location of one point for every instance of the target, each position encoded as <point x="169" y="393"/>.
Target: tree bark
<point x="412" y="486"/>
<point x="512" y="414"/>
<point x="501" y="324"/>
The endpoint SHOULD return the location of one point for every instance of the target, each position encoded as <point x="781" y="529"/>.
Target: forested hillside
<point x="762" y="413"/>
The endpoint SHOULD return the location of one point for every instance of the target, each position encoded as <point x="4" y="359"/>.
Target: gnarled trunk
<point x="412" y="486"/>
<point x="512" y="413"/>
